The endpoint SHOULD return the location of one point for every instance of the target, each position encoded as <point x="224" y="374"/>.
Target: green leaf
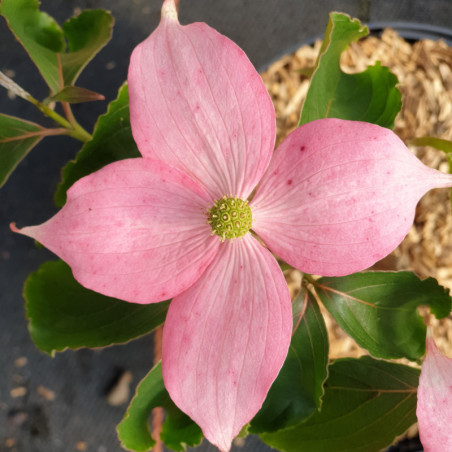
<point x="134" y="430"/>
<point x="369" y="96"/>
<point x="63" y="314"/>
<point x="112" y="140"/>
<point x="296" y="393"/>
<point x="379" y="310"/>
<point x="45" y="40"/>
<point x="367" y="403"/>
<point x="75" y="95"/>
<point x="86" y="35"/>
<point x="178" y="430"/>
<point x="40" y="35"/>
<point x="17" y="139"/>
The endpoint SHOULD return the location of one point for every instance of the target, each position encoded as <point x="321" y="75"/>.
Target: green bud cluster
<point x="230" y="218"/>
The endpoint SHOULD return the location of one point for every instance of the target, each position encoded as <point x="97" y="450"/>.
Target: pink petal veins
<point x="340" y="195"/>
<point x="226" y="338"/>
<point x="434" y="401"/>
<point x="136" y="230"/>
<point x="197" y="103"/>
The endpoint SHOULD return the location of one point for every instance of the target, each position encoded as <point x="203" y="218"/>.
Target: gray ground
<point x="265" y="29"/>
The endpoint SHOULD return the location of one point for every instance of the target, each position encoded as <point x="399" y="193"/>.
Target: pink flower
<point x="335" y="197"/>
<point x="434" y="401"/>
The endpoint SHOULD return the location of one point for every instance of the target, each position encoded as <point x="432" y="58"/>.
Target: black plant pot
<point x="265" y="29"/>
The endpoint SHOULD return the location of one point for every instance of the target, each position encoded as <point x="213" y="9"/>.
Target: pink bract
<point x="334" y="198"/>
<point x="434" y="400"/>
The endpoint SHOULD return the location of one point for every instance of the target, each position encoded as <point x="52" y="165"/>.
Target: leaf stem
<point x="68" y="112"/>
<point x="43" y="132"/>
<point x="309" y="278"/>
<point x="74" y="129"/>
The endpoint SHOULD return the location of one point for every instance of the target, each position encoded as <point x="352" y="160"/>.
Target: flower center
<point x="230" y="217"/>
